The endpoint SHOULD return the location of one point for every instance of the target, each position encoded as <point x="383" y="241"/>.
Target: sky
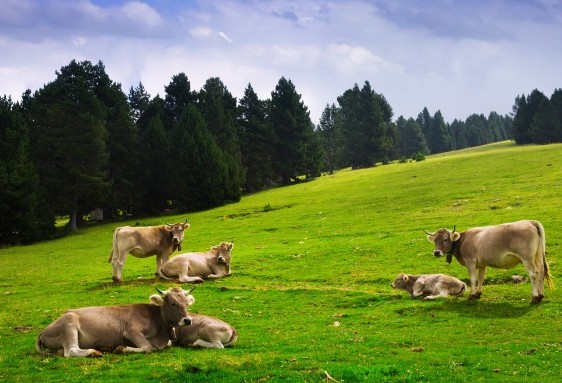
<point x="457" y="56"/>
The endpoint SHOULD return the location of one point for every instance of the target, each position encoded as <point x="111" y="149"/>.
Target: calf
<point x="430" y="285"/>
<point x="122" y="329"/>
<point x="206" y="332"/>
<point x="194" y="267"/>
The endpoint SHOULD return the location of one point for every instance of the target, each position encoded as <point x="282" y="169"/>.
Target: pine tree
<point x="297" y="150"/>
<point x="544" y="126"/>
<point x="68" y="141"/>
<point x="20" y="218"/>
<point x="139" y="99"/>
<point x="412" y="140"/>
<point x="332" y="138"/>
<point x="556" y="102"/>
<point x="201" y="176"/>
<point x="178" y="95"/>
<point x="257" y="140"/>
<point x="218" y="108"/>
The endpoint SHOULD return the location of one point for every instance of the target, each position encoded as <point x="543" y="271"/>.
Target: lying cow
<point x="194" y="267"/>
<point x="503" y="246"/>
<point x="206" y="332"/>
<point x="122" y="329"/>
<point x="144" y="242"/>
<point x="430" y="285"/>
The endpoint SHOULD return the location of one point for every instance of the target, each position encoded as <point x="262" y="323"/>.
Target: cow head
<point x="177" y="231"/>
<point x="223" y="252"/>
<point x="444" y="240"/>
<point x="401" y="282"/>
<point x="173" y="305"/>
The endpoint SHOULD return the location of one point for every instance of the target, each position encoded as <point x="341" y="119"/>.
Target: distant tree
<point x="139" y="99"/>
<point x="257" y="140"/>
<point x="21" y="220"/>
<point x="411" y="139"/>
<point x="545" y="126"/>
<point x="556" y="102"/>
<point x="68" y="140"/>
<point x="155" y="186"/>
<point x="178" y="95"/>
<point x="524" y="110"/>
<point x="458" y="131"/>
<point x="297" y="149"/>
<point x="218" y="108"/>
<point x="332" y="138"/>
<point x="366" y="118"/>
<point x="201" y="176"/>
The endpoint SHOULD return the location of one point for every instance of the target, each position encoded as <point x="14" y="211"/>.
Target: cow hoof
<point x="119" y="350"/>
<point x="536" y="300"/>
<point x="474" y="297"/>
<point x="96" y="354"/>
<point x="117" y="280"/>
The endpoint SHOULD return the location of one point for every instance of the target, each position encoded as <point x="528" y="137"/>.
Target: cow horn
<point x="160" y="291"/>
<point x="454" y="228"/>
<point x="427" y="232"/>
<point x="167" y="224"/>
<point x="189" y="292"/>
<point x="185" y="221"/>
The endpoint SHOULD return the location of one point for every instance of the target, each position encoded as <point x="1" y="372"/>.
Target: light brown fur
<point x="431" y="286"/>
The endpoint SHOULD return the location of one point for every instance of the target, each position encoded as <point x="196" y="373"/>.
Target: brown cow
<point x="207" y="332"/>
<point x="431" y="286"/>
<point x="193" y="267"/>
<point x="503" y="246"/>
<point x="122" y="329"/>
<point x="144" y="242"/>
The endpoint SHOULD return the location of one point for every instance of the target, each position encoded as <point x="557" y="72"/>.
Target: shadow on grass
<point x="484" y="309"/>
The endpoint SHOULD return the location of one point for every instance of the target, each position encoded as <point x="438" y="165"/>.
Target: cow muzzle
<point x="186" y="321"/>
<point x="437" y="253"/>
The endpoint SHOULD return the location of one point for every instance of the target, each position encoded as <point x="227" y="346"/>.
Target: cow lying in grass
<point x="431" y="286"/>
<point x="207" y="332"/>
<point x="196" y="267"/>
<point x="122" y="329"/>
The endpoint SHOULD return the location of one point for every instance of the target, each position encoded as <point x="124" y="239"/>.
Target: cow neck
<point x="455" y="249"/>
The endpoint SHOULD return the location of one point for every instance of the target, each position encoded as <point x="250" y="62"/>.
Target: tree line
<point x="80" y="142"/>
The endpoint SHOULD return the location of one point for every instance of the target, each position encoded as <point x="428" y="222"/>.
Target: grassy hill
<point x="310" y="291"/>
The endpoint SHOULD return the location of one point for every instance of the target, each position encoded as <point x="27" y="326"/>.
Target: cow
<point x="139" y="328"/>
<point x="502" y="246"/>
<point x="207" y="332"/>
<point x="432" y="286"/>
<point x="194" y="267"/>
<point x="144" y="242"/>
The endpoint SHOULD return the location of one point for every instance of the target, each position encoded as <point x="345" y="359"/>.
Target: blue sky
<point x="460" y="57"/>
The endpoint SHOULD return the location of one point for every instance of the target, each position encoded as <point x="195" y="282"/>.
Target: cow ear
<point x="456" y="236"/>
<point x="186" y="226"/>
<point x="405" y="277"/>
<point x="215" y="248"/>
<point x="431" y="238"/>
<point x="156" y="300"/>
<point x="169" y="227"/>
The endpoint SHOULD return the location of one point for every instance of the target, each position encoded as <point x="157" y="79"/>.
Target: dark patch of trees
<point x="80" y="143"/>
<point x="537" y="118"/>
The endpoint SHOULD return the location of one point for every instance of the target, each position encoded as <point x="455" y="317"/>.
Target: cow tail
<point x="39" y="345"/>
<point x="233" y="338"/>
<point x="114" y="249"/>
<point x="542" y="249"/>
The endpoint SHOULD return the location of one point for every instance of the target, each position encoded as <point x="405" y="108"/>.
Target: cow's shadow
<point x="486" y="309"/>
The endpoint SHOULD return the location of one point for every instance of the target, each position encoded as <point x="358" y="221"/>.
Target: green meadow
<point x="310" y="291"/>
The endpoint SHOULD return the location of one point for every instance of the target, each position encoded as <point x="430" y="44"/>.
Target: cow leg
<point x="417" y="288"/>
<point x="117" y="263"/>
<point x="442" y="292"/>
<point x="184" y="275"/>
<point x="537" y="281"/>
<point x="472" y="272"/>
<point x="136" y="338"/>
<point x="481" y="276"/>
<point x="206" y="344"/>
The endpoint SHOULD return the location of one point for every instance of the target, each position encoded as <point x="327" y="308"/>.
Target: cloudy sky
<point x="457" y="56"/>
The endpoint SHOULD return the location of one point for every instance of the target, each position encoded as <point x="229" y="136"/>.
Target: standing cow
<point x="122" y="329"/>
<point x="144" y="242"/>
<point x="193" y="267"/>
<point x="503" y="246"/>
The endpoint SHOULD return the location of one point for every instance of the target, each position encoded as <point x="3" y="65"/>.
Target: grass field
<point x="310" y="292"/>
